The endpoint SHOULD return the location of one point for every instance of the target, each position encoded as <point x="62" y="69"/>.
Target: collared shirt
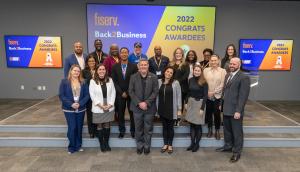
<point x="215" y="80"/>
<point x="124" y="67"/>
<point x="80" y="60"/>
<point x="232" y="75"/>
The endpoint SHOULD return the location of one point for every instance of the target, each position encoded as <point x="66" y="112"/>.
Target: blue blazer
<point x="69" y="61"/>
<point x="66" y="95"/>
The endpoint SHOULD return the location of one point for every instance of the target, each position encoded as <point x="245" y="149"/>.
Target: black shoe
<point x="147" y="151"/>
<point x="132" y="134"/>
<point x="223" y="149"/>
<point x="121" y="135"/>
<point x="92" y="135"/>
<point x="139" y="151"/>
<point x="235" y="157"/>
<point x="190" y="147"/>
<point x="195" y="148"/>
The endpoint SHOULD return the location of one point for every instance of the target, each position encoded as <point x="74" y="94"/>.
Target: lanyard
<point x="158" y="64"/>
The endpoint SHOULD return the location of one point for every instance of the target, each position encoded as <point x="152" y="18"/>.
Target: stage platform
<point x="43" y="125"/>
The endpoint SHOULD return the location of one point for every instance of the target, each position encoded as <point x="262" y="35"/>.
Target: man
<point x="143" y="89"/>
<point x="207" y="53"/>
<point x="98" y="54"/>
<point x="78" y="57"/>
<point x="112" y="59"/>
<point x="235" y="95"/>
<point x="214" y="76"/>
<point x="158" y="62"/>
<point x="137" y="54"/>
<point x="121" y="73"/>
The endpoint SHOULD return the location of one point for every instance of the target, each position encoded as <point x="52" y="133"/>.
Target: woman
<point x="229" y="53"/>
<point x="88" y="74"/>
<point x="181" y="74"/>
<point x="195" y="115"/>
<point x="74" y="94"/>
<point x="191" y="59"/>
<point x="169" y="106"/>
<point x="103" y="95"/>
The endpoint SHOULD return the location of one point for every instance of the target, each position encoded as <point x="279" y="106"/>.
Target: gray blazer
<point x="235" y="93"/>
<point x="177" y="104"/>
<point x="135" y="92"/>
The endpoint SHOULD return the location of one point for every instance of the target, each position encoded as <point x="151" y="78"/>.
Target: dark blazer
<point x="235" y="93"/>
<point x="66" y="95"/>
<point x="99" y="59"/>
<point x="181" y="75"/>
<point x="122" y="84"/>
<point x="153" y="66"/>
<point x="69" y="61"/>
<point x="136" y="92"/>
<point x="87" y="75"/>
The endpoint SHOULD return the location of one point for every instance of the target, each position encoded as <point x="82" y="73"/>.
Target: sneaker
<point x="80" y="150"/>
<point x="69" y="152"/>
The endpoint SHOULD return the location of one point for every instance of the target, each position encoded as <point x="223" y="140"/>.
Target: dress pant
<point x="212" y="110"/>
<point x="75" y="124"/>
<point x="168" y="130"/>
<point x="233" y="133"/>
<point x="121" y="102"/>
<point x="143" y="129"/>
<point x="89" y="118"/>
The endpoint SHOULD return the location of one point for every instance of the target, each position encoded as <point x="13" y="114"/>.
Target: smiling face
<point x="78" y="49"/>
<point x="235" y="64"/>
<point x="143" y="66"/>
<point x="178" y="55"/>
<point x="191" y="56"/>
<point x="169" y="73"/>
<point x="124" y="54"/>
<point x="91" y="63"/>
<point x="75" y="72"/>
<point x="214" y="61"/>
<point x="101" y="72"/>
<point x="230" y="51"/>
<point x="98" y="45"/>
<point x="197" y="71"/>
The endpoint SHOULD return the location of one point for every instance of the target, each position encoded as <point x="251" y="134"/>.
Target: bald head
<point x="114" y="50"/>
<point x="78" y="49"/>
<point x="235" y="64"/>
<point x="157" y="51"/>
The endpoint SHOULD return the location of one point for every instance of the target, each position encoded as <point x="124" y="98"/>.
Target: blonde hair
<point x="80" y="78"/>
<point x="173" y="62"/>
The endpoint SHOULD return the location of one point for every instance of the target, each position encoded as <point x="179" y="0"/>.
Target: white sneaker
<point x="80" y="150"/>
<point x="69" y="153"/>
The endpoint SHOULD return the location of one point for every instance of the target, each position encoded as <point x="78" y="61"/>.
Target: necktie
<point x="229" y="78"/>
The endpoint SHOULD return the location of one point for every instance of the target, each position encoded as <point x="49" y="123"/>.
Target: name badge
<point x="158" y="72"/>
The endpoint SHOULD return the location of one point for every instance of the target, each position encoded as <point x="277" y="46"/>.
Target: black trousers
<point x="212" y="109"/>
<point x="233" y="133"/>
<point x="89" y="117"/>
<point x="168" y="130"/>
<point x="121" y="102"/>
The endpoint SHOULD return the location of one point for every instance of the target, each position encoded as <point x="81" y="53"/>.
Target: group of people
<point x="102" y="85"/>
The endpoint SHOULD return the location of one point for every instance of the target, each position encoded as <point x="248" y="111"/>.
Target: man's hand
<point x="237" y="115"/>
<point x="143" y="105"/>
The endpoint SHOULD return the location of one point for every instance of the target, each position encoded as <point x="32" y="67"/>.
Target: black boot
<point x="209" y="133"/>
<point x="198" y="138"/>
<point x="193" y="134"/>
<point x="217" y="135"/>
<point x="106" y="139"/>
<point x="100" y="134"/>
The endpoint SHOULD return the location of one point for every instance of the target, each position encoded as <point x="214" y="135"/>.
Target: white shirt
<point x="80" y="60"/>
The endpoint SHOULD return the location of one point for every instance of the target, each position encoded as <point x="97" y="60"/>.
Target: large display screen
<point x="33" y="51"/>
<point x="266" y="54"/>
<point x="188" y="27"/>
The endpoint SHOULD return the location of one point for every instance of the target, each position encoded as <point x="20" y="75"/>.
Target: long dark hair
<point x="172" y="78"/>
<point x="86" y="62"/>
<point x="226" y="57"/>
<point x="97" y="78"/>
<point x="187" y="58"/>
